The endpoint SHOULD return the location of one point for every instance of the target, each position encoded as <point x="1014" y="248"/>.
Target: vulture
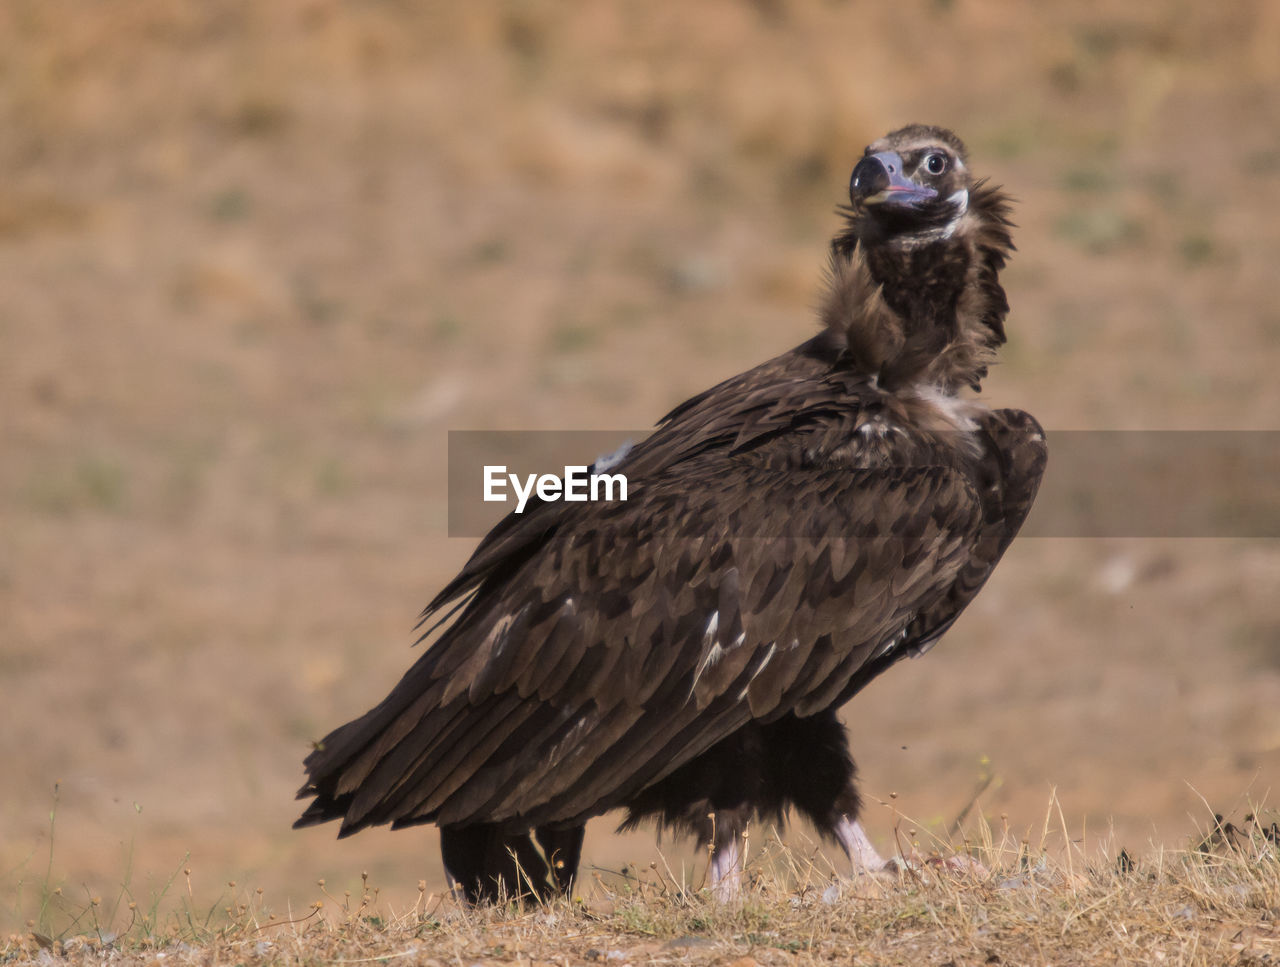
<point x="787" y="536"/>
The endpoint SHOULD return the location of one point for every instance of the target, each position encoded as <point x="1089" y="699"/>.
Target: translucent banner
<point x="1140" y="483"/>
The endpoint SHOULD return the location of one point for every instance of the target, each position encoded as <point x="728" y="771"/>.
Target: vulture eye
<point x="936" y="163"/>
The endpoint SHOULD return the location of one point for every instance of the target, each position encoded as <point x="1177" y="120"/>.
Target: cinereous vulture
<point x="788" y="535"/>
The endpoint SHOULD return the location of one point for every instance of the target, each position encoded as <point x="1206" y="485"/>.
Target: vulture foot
<point x="956" y="863"/>
<point x="862" y="855"/>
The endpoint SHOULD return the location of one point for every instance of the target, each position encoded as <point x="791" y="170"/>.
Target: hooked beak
<point x="878" y="180"/>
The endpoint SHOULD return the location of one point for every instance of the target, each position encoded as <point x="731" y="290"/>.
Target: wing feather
<point x="604" y="645"/>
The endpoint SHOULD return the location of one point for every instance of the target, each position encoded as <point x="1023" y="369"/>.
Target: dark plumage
<point x="790" y="534"/>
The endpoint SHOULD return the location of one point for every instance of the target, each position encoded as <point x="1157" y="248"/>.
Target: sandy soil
<point x="257" y="259"/>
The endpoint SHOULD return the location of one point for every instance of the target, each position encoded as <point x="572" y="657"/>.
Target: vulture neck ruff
<point x="923" y="311"/>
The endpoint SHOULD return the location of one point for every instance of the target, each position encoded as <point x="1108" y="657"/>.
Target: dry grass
<point x="1033" y="901"/>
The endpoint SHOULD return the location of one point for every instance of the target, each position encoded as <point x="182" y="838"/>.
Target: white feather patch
<point x="712" y="652"/>
<point x="960" y="200"/>
<point x="768" y="655"/>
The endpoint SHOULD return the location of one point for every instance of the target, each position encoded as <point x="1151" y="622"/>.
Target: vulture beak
<point x="878" y="180"/>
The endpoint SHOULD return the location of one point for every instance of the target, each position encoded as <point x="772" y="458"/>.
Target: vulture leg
<point x="728" y="825"/>
<point x="726" y="872"/>
<point x="491" y="865"/>
<point x="862" y="855"/>
<point x="563" y="850"/>
<point x="462" y="848"/>
<point x="822" y="782"/>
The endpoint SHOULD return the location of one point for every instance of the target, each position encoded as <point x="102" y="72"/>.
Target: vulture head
<point x="912" y="185"/>
<point x="914" y="295"/>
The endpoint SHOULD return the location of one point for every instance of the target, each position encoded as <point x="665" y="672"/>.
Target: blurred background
<point x="257" y="259"/>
